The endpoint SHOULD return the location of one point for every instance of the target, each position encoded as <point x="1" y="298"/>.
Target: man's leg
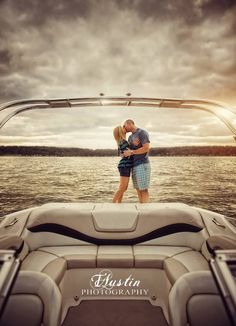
<point x="144" y="196"/>
<point x="143" y="180"/>
<point x="134" y="178"/>
<point x="139" y="192"/>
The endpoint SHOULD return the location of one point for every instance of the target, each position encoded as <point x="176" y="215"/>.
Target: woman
<point x="125" y="165"/>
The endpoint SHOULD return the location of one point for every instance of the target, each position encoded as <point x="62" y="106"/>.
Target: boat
<point x="117" y="264"/>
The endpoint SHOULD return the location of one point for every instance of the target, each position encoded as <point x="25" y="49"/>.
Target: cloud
<point x="181" y="49"/>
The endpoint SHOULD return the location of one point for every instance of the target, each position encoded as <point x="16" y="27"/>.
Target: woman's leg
<point x="124" y="181"/>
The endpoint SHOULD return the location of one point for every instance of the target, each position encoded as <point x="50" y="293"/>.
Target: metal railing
<point x="224" y="112"/>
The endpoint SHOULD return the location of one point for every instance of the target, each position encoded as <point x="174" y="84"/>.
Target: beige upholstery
<point x="62" y="251"/>
<point x="179" y="264"/>
<point x="216" y="224"/>
<point x="80" y="261"/>
<point x="54" y="261"/>
<point x="89" y="224"/>
<point x="154" y="256"/>
<point x="174" y="269"/>
<point x="37" y="260"/>
<point x="30" y="302"/>
<point x="45" y="262"/>
<point x="115" y="256"/>
<point x="12" y="242"/>
<point x="105" y="217"/>
<point x="75" y="256"/>
<point x="194" y="300"/>
<point x="67" y="257"/>
<point x="221" y="242"/>
<point x="161" y="243"/>
<point x="23" y="309"/>
<point x="15" y="223"/>
<point x="207" y="309"/>
<point x="55" y="269"/>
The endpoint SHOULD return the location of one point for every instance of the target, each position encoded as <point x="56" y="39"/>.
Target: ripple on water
<point x="207" y="182"/>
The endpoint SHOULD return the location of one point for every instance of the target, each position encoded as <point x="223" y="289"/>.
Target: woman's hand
<point x="136" y="141"/>
<point x="127" y="153"/>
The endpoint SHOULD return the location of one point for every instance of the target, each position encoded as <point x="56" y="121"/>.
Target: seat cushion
<point x="55" y="260"/>
<point x="75" y="256"/>
<point x="47" y="263"/>
<point x="37" y="260"/>
<point x="28" y="313"/>
<point x="179" y="264"/>
<point x="195" y="300"/>
<point x="207" y="309"/>
<point x="154" y="256"/>
<point x="115" y="256"/>
<point x="35" y="300"/>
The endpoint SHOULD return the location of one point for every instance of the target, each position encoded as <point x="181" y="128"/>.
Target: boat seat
<point x="31" y="301"/>
<point x="47" y="263"/>
<point x="185" y="262"/>
<point x="75" y="256"/>
<point x="155" y="256"/>
<point x="55" y="260"/>
<point x="194" y="300"/>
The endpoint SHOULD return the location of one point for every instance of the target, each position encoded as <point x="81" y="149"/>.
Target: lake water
<point x="207" y="182"/>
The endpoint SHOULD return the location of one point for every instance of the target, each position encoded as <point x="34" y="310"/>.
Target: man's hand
<point x="142" y="150"/>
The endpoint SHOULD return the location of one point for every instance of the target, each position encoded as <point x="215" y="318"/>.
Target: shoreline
<point x="180" y="151"/>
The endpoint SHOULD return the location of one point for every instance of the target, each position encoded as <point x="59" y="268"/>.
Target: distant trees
<point x="54" y="151"/>
<point x="194" y="151"/>
<point x="156" y="151"/>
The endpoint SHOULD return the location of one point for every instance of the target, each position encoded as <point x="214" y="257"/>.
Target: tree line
<point x="155" y="151"/>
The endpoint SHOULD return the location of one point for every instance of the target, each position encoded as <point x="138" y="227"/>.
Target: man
<point x="139" y="144"/>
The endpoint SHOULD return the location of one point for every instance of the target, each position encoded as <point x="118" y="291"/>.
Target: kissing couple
<point x="134" y="160"/>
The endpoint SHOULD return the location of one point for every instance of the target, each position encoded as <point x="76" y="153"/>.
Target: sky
<point x="164" y="49"/>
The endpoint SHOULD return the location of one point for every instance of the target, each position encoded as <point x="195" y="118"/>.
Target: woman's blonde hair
<point x="119" y="134"/>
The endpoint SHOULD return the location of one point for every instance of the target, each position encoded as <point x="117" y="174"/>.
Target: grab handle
<point x="214" y="220"/>
<point x="11" y="223"/>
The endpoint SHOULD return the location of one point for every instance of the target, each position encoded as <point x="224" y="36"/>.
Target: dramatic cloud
<point x="183" y="49"/>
